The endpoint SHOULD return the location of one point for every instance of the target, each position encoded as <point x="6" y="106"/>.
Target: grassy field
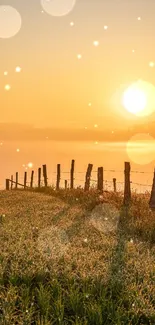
<point x="70" y="257"/>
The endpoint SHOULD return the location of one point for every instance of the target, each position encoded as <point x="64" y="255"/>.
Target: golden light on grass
<point x="140" y="149"/>
<point x="105" y="217"/>
<point x="53" y="242"/>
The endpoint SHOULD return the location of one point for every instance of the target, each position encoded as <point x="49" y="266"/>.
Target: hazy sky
<point x="54" y="87"/>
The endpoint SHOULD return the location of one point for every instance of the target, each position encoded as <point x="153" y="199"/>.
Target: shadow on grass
<point x="116" y="289"/>
<point x="50" y="298"/>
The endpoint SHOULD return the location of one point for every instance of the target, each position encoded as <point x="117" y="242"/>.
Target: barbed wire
<point x="94" y="180"/>
<point x="76" y="180"/>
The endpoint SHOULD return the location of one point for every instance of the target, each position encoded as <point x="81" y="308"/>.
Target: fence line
<point x="100" y="180"/>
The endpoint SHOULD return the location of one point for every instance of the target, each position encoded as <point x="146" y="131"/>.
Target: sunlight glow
<point x="18" y="69"/>
<point x="7" y="87"/>
<point x="10" y="22"/>
<point x="139" y="98"/>
<point x="96" y="43"/>
<point x="140" y="149"/>
<point x="151" y="64"/>
<point x="134" y="99"/>
<point x="58" y="8"/>
<point x="30" y="164"/>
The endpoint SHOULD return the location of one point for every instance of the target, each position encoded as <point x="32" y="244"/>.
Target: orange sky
<point x="54" y="87"/>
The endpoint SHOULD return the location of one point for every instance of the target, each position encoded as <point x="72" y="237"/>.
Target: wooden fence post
<point x="11" y="182"/>
<point x="114" y="184"/>
<point x="65" y="184"/>
<point x="152" y="197"/>
<point x="25" y="179"/>
<point x="16" y="180"/>
<point x="127" y="190"/>
<point x="32" y="174"/>
<point x="87" y="179"/>
<point x="39" y="176"/>
<point x="45" y="175"/>
<point x="72" y="174"/>
<point x="100" y="179"/>
<point x="58" y="177"/>
<point x="7" y="184"/>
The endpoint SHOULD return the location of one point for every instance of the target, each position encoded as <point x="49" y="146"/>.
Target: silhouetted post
<point x="114" y="184"/>
<point x="45" y="175"/>
<point x="65" y="184"/>
<point x="100" y="179"/>
<point x="32" y="174"/>
<point x="39" y="176"/>
<point x="7" y="184"/>
<point x="127" y="190"/>
<point x="16" y="180"/>
<point x="58" y="177"/>
<point x="25" y="179"/>
<point x="88" y="175"/>
<point x="152" y="197"/>
<point x="11" y="182"/>
<point x="72" y="174"/>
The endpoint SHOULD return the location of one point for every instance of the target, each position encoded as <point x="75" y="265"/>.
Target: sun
<point x="134" y="99"/>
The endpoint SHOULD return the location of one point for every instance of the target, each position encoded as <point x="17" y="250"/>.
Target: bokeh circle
<point x="58" y="7"/>
<point x="140" y="149"/>
<point x="10" y="22"/>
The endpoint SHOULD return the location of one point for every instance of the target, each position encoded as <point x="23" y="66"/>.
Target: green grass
<point x="107" y="279"/>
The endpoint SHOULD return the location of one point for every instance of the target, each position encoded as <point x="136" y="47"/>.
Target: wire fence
<point x="139" y="187"/>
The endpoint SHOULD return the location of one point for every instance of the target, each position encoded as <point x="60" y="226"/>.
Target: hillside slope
<point x="40" y="232"/>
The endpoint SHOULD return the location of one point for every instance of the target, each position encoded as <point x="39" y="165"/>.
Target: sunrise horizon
<point x="76" y="76"/>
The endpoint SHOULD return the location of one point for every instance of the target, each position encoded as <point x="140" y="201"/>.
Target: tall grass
<point x="91" y="278"/>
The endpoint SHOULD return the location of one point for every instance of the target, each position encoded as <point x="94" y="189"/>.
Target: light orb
<point x="10" y="21"/>
<point x="58" y="8"/>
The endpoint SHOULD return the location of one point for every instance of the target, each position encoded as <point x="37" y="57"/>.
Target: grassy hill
<point x="70" y="257"/>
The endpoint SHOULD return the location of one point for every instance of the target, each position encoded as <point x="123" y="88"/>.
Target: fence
<point x="100" y="181"/>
